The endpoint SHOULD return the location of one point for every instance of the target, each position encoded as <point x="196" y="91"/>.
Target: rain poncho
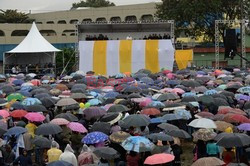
<point x="68" y="156"/>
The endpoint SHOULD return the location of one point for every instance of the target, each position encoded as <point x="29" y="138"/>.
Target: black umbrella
<point x="68" y="116"/>
<point x="17" y="106"/>
<point x="102" y="127"/>
<point x="220" y="102"/>
<point x="167" y="127"/>
<point x="39" y="91"/>
<point x="111" y="118"/>
<point x="167" y="96"/>
<point x="59" y="163"/>
<point x="106" y="153"/>
<point x="36" y="108"/>
<point x="160" y="136"/>
<point x="41" y="142"/>
<point x="118" y="108"/>
<point x="21" y="124"/>
<point x="178" y="133"/>
<point x="2" y="131"/>
<point x="78" y="96"/>
<point x="134" y="95"/>
<point x="41" y="95"/>
<point x="78" y="90"/>
<point x="229" y="140"/>
<point x="190" y="83"/>
<point x="189" y="99"/>
<point x="79" y="86"/>
<point x="48" y="129"/>
<point x="48" y="102"/>
<point x="206" y="100"/>
<point x="132" y="89"/>
<point x="72" y="107"/>
<point x="135" y="120"/>
<point x="8" y="89"/>
<point x="3" y="102"/>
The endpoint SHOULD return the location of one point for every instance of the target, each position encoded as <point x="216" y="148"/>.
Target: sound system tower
<point x="230" y="43"/>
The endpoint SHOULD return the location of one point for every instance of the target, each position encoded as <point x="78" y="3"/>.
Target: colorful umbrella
<point x="235" y="118"/>
<point x="34" y="117"/>
<point x="94" y="138"/>
<point x="66" y="102"/>
<point x="15" y="96"/>
<point x="31" y="101"/>
<point x="94" y="112"/>
<point x="59" y="163"/>
<point x="244" y="90"/>
<point x="222" y="126"/>
<point x="150" y="111"/>
<point x="204" y="135"/>
<point x="159" y="159"/>
<point x="119" y="137"/>
<point x="18" y="113"/>
<point x="59" y="121"/>
<point x="244" y="127"/>
<point x="4" y="113"/>
<point x="208" y="161"/>
<point x="77" y="127"/>
<point x="137" y="144"/>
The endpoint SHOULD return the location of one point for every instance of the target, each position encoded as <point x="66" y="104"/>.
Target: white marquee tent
<point x="34" y="49"/>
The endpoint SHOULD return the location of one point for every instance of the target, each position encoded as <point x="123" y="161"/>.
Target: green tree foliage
<point x="67" y="56"/>
<point x="93" y="3"/>
<point x="196" y="18"/>
<point x="13" y="16"/>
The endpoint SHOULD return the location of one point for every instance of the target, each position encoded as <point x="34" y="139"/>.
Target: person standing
<point x="68" y="156"/>
<point x="24" y="159"/>
<point x="177" y="151"/>
<point x="53" y="153"/>
<point x="213" y="149"/>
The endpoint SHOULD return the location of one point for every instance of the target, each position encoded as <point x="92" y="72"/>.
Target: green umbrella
<point x="15" y="96"/>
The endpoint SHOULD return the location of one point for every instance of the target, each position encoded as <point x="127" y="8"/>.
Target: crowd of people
<point x="131" y="119"/>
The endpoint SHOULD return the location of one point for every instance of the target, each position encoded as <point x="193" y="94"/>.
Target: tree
<point x="92" y="3"/>
<point x="66" y="58"/>
<point x="196" y="18"/>
<point x="13" y="16"/>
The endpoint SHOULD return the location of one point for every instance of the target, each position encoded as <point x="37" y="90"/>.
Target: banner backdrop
<point x="117" y="56"/>
<point x="183" y="57"/>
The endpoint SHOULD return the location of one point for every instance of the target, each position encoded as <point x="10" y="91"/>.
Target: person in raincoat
<point x="87" y="157"/>
<point x="76" y="141"/>
<point x="31" y="127"/>
<point x="53" y="153"/>
<point x="69" y="156"/>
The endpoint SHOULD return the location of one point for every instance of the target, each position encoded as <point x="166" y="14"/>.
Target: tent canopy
<point x="34" y="42"/>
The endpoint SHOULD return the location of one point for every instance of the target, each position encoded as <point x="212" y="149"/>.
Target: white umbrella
<point x="203" y="123"/>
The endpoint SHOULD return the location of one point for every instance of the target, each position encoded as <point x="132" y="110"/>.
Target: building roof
<point x="34" y="42"/>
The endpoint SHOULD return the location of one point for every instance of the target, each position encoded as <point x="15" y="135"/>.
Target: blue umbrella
<point x="17" y="106"/>
<point x="170" y="117"/>
<point x="59" y="163"/>
<point x="31" y="101"/>
<point x="173" y="82"/>
<point x="147" y="80"/>
<point x="137" y="144"/>
<point x="188" y="94"/>
<point x="244" y="89"/>
<point x="119" y="75"/>
<point x="18" y="82"/>
<point x="157" y="120"/>
<point x="183" y="113"/>
<point x="156" y="104"/>
<point x="26" y="88"/>
<point x="94" y="138"/>
<point x="201" y="73"/>
<point x="15" y="131"/>
<point x="25" y="93"/>
<point x="94" y="102"/>
<point x="211" y="92"/>
<point x="111" y="94"/>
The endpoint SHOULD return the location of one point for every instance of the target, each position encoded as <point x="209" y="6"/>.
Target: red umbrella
<point x="36" y="82"/>
<point x="159" y="159"/>
<point x="226" y="110"/>
<point x="205" y="114"/>
<point x="235" y="118"/>
<point x="150" y="111"/>
<point x="18" y="113"/>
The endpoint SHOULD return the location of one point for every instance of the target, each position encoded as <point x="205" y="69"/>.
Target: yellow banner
<point x="151" y="56"/>
<point x="182" y="57"/>
<point x="125" y="54"/>
<point x="99" y="57"/>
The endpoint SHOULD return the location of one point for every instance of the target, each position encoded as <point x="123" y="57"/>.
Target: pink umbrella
<point x="59" y="121"/>
<point x="146" y="102"/>
<point x="107" y="106"/>
<point x="178" y="91"/>
<point x="36" y="82"/>
<point x="166" y="90"/>
<point x="159" y="159"/>
<point x="4" y="113"/>
<point x="78" y="127"/>
<point x="34" y="117"/>
<point x="170" y="75"/>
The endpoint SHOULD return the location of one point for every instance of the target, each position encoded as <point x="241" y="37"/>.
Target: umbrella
<point x="189" y="99"/>
<point x="8" y="89"/>
<point x="106" y="153"/>
<point x="229" y="140"/>
<point x="169" y="117"/>
<point x="55" y="92"/>
<point x="151" y="111"/>
<point x="159" y="136"/>
<point x="48" y="129"/>
<point x="59" y="121"/>
<point x="18" y="113"/>
<point x="222" y="126"/>
<point x="21" y="124"/>
<point x="183" y="113"/>
<point x="94" y="112"/>
<point x="235" y="118"/>
<point x="118" y="108"/>
<point x="31" y="101"/>
<point x="159" y="159"/>
<point x="2" y="131"/>
<point x="111" y="118"/>
<point x="41" y="95"/>
<point x="35" y="117"/>
<point x="94" y="138"/>
<point x="4" y="113"/>
<point x="61" y="87"/>
<point x="136" y="120"/>
<point x="204" y="134"/>
<point x="119" y="137"/>
<point x="210" y="92"/>
<point x="15" y="131"/>
<point x="188" y="94"/>
<point x="168" y="96"/>
<point x="208" y="161"/>
<point x="178" y="133"/>
<point x="200" y="89"/>
<point x="78" y="96"/>
<point x="205" y="114"/>
<point x="167" y="127"/>
<point x="77" y="127"/>
<point x="18" y="82"/>
<point x="237" y="164"/>
<point x="137" y="144"/>
<point x="203" y="123"/>
<point x="102" y="127"/>
<point x="190" y="83"/>
<point x="36" y="108"/>
<point x="244" y="127"/>
<point x="66" y="102"/>
<point x="132" y="89"/>
<point x="95" y="102"/>
<point x="59" y="163"/>
<point x="3" y="102"/>
<point x="15" y="96"/>
<point x="41" y="142"/>
<point x="244" y="90"/>
<point x="48" y="102"/>
<point x="68" y="116"/>
<point x="17" y="106"/>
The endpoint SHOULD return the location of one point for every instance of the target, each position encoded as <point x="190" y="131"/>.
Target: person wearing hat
<point x="54" y="153"/>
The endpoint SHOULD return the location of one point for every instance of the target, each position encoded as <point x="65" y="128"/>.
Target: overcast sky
<point x="37" y="6"/>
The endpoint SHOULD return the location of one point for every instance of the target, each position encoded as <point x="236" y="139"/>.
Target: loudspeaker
<point x="230" y="43"/>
